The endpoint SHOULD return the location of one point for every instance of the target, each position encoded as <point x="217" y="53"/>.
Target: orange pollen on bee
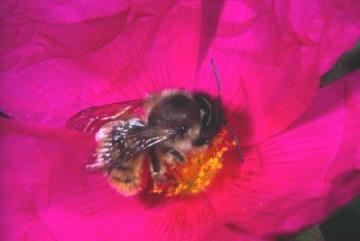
<point x="199" y="170"/>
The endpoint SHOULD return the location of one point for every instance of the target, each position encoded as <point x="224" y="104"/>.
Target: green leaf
<point x="344" y="225"/>
<point x="347" y="63"/>
<point x="309" y="234"/>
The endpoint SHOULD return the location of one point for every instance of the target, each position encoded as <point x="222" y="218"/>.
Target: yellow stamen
<point x="198" y="171"/>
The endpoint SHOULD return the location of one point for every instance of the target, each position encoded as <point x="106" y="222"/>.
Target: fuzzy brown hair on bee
<point x="195" y="118"/>
<point x="172" y="124"/>
<point x="162" y="128"/>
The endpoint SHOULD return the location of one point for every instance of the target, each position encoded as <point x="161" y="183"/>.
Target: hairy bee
<point x="162" y="128"/>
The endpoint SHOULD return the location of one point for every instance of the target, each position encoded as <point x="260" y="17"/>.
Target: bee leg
<point x="177" y="156"/>
<point x="155" y="162"/>
<point x="156" y="173"/>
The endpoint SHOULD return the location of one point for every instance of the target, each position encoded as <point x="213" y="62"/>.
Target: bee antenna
<point x="236" y="142"/>
<point x="216" y="73"/>
<point x="218" y="82"/>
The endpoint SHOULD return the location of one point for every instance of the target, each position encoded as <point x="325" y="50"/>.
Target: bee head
<point x="177" y="111"/>
<point x="212" y="117"/>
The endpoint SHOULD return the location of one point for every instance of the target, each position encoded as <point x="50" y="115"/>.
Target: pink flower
<point x="301" y="145"/>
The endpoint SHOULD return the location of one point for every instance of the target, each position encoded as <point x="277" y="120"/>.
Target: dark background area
<point x="344" y="225"/>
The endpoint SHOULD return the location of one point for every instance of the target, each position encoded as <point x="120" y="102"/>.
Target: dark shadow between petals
<point x="210" y="15"/>
<point x="4" y="115"/>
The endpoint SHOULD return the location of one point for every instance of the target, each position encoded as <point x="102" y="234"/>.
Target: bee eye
<point x="184" y="129"/>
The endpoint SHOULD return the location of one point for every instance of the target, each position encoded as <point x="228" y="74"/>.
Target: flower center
<point x="199" y="170"/>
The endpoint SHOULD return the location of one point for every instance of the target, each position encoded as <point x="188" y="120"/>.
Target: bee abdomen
<point x="128" y="180"/>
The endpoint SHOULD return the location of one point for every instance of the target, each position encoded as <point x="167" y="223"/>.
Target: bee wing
<point x="141" y="140"/>
<point x="120" y="142"/>
<point x="90" y="120"/>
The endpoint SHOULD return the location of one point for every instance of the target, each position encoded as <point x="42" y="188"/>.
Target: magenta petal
<point x="47" y="193"/>
<point x="342" y="176"/>
<point x="300" y="176"/>
<point x="287" y="182"/>
<point x="30" y="157"/>
<point x="52" y="70"/>
<point x="125" y="51"/>
<point x="49" y="196"/>
<point x="348" y="155"/>
<point x="63" y="12"/>
<point x="270" y="57"/>
<point x="349" y="8"/>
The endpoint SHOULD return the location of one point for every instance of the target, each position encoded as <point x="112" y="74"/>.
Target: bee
<point x="162" y="128"/>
